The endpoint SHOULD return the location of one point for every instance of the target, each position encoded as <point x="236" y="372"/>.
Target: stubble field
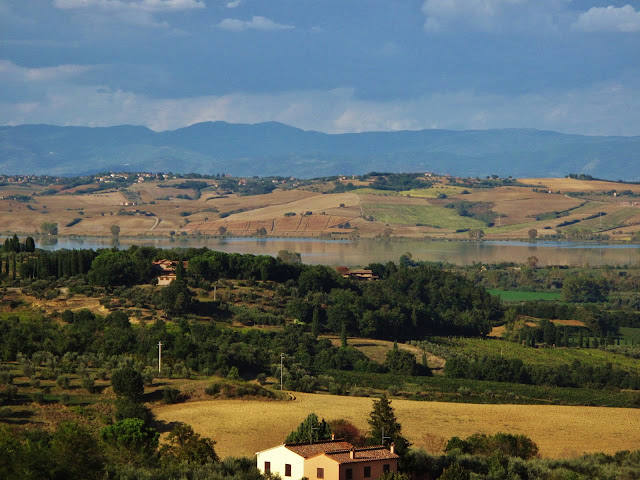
<point x="243" y="427"/>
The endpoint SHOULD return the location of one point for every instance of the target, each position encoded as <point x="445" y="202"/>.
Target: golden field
<point x="153" y="208"/>
<point x="243" y="427"/>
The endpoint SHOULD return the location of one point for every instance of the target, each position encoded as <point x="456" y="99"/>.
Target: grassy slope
<point x="424" y="214"/>
<point x="515" y="296"/>
<point x="542" y="356"/>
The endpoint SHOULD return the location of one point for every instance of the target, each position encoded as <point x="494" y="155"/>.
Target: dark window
<point x="320" y="473"/>
<point x="349" y="473"/>
<point x="267" y="467"/>
<point x="386" y="467"/>
<point x="287" y="470"/>
<point x="367" y="472"/>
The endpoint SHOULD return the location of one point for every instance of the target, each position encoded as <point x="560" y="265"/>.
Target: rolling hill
<point x="277" y="149"/>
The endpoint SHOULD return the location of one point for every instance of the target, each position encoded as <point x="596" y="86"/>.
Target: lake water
<point x="363" y="252"/>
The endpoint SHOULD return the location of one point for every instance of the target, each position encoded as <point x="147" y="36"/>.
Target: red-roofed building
<point x="330" y="460"/>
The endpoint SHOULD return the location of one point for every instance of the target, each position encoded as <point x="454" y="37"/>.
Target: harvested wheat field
<point x="243" y="427"/>
<point x="575" y="185"/>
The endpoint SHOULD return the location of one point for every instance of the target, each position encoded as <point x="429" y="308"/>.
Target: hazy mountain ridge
<point x="276" y="149"/>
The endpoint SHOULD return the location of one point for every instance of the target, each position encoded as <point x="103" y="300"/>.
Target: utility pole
<point x="159" y="357"/>
<point x="215" y="288"/>
<point x="281" y="360"/>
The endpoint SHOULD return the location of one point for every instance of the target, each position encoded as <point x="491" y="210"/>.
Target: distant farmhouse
<point x="329" y="460"/>
<point x="357" y="274"/>
<point x="166" y="270"/>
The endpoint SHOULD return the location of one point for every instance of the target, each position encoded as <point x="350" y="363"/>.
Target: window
<point x="320" y="473"/>
<point x="287" y="470"/>
<point x="349" y="473"/>
<point x="367" y="472"/>
<point x="267" y="467"/>
<point x="386" y="468"/>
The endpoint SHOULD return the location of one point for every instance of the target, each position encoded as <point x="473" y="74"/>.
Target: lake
<point x="363" y="252"/>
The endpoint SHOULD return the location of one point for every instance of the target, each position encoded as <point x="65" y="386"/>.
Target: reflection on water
<point x="363" y="252"/>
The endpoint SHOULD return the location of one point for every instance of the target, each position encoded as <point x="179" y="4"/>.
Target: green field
<point x="630" y="334"/>
<point x="432" y="192"/>
<point x="540" y="356"/>
<point x="430" y="215"/>
<point x="515" y="296"/>
<point x="606" y="222"/>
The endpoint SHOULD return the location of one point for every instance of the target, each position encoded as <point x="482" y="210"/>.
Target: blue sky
<point x="327" y="65"/>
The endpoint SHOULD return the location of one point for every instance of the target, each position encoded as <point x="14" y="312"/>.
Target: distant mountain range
<point x="276" y="149"/>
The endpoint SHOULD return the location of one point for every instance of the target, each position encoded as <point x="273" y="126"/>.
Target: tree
<point x="186" y="446"/>
<point x="476" y="234"/>
<point x="289" y="257"/>
<point x="49" y="228"/>
<point x="315" y="323"/>
<point x="115" y="230"/>
<point x="533" y="233"/>
<point x="76" y="452"/>
<point x="128" y="383"/>
<point x="343" y="336"/>
<point x="383" y="423"/>
<point x="131" y="439"/>
<point x="584" y="289"/>
<point x="532" y="261"/>
<point x="310" y="430"/>
<point x="454" y="472"/>
<point x="347" y="431"/>
<point x="400" y="361"/>
<point x="222" y="231"/>
<point x="29" y="245"/>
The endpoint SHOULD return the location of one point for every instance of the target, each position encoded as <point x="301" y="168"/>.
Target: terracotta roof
<point x="307" y="450"/>
<point x="362" y="455"/>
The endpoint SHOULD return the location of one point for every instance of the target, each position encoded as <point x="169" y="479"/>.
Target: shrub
<point x="126" y="408"/>
<point x="170" y="395"/>
<point x="63" y="382"/>
<point x="37" y="397"/>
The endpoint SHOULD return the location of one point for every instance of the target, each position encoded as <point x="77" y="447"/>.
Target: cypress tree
<point x="315" y="323"/>
<point x="14" y="263"/>
<point x="343" y="336"/>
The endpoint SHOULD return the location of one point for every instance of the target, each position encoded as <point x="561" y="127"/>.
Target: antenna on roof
<point x="383" y="437"/>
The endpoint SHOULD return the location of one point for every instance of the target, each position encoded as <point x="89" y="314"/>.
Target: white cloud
<point x="151" y="6"/>
<point x="137" y="12"/>
<point x="492" y="15"/>
<point x="256" y="23"/>
<point x="234" y="3"/>
<point x="9" y="71"/>
<point x="609" y="19"/>
<point x="607" y="109"/>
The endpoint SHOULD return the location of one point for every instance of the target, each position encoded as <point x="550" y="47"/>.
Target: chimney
<point x="333" y="436"/>
<point x="392" y="448"/>
<point x="352" y="453"/>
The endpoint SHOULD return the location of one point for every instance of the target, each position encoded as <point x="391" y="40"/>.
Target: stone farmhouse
<point x="166" y="269"/>
<point x="328" y="460"/>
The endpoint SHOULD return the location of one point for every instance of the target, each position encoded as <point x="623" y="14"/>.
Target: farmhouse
<point x="329" y="460"/>
<point x="357" y="274"/>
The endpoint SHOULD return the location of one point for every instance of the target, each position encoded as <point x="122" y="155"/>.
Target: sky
<point x="328" y="65"/>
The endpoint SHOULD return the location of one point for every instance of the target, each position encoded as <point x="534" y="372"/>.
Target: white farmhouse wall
<point x="279" y="456"/>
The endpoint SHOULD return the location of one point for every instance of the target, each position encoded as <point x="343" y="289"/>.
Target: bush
<point x="38" y="397"/>
<point x="126" y="408"/>
<point x="128" y="383"/>
<point x="63" y="382"/>
<point x="170" y="395"/>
